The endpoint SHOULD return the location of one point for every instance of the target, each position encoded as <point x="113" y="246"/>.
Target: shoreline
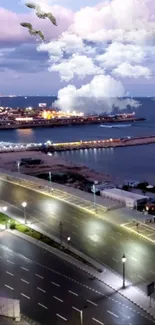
<point x="53" y="164"/>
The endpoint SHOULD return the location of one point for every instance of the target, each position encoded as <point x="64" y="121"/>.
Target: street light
<point x="68" y="241"/>
<point x="94" y="191"/>
<point x="123" y="261"/>
<point x="24" y="205"/>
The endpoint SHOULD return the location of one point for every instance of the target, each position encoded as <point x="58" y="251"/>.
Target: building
<point x="130" y="199"/>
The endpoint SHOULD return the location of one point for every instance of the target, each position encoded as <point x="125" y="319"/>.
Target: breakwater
<point x="67" y="146"/>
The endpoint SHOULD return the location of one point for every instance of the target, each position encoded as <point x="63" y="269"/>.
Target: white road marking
<point x="114" y="259"/>
<point x="9" y="287"/>
<point x="55" y="284"/>
<point x="116" y="249"/>
<point x="24" y="268"/>
<point x="25" y="281"/>
<point x="73" y="293"/>
<point x="76" y="309"/>
<point x="39" y="276"/>
<point x="10" y="273"/>
<point x="22" y="294"/>
<point x="91" y="302"/>
<point x="10" y="262"/>
<point x="42" y="305"/>
<point x="65" y="319"/>
<point x="97" y="321"/>
<point x="110" y="312"/>
<point x="41" y="289"/>
<point x="57" y="298"/>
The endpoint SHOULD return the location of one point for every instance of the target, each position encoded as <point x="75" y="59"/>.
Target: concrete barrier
<point x="10" y="308"/>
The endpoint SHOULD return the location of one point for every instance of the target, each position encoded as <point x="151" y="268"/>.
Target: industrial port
<point x="42" y="116"/>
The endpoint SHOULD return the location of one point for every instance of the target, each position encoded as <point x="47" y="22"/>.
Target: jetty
<point x="50" y="146"/>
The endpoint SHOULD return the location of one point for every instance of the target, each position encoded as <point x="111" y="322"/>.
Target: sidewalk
<point x="109" y="278"/>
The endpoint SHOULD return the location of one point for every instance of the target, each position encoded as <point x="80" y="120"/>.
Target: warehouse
<point x="131" y="200"/>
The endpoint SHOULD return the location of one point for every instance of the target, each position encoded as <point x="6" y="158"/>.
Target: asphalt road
<point x="99" y="239"/>
<point x="54" y="292"/>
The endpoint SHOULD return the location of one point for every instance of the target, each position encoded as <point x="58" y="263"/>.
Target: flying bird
<point x="33" y="31"/>
<point x="40" y="14"/>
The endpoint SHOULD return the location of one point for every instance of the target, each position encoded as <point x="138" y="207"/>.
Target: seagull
<point x="40" y="14"/>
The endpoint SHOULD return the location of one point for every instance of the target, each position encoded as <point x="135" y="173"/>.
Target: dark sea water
<point x="133" y="162"/>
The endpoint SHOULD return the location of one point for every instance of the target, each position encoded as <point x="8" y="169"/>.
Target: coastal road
<point x="99" y="239"/>
<point x="52" y="291"/>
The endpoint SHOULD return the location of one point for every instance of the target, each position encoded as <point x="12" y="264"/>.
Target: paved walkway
<point x="108" y="277"/>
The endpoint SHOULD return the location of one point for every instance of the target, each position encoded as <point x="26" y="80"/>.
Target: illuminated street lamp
<point x="94" y="191"/>
<point x="24" y="205"/>
<point x="123" y="261"/>
<point x="68" y="241"/>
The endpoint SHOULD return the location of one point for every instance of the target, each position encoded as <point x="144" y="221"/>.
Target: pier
<point x="77" y="145"/>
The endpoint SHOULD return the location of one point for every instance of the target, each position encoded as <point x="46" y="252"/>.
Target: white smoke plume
<point x="100" y="95"/>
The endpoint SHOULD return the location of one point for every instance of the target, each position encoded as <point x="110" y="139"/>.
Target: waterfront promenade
<point x="67" y="146"/>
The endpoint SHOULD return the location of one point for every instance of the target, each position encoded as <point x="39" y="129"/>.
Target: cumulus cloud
<point x="79" y="65"/>
<point x="67" y="43"/>
<point x="118" y="53"/>
<point x="102" y="94"/>
<point x="127" y="70"/>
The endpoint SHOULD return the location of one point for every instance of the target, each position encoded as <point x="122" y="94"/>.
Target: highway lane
<point x="95" y="237"/>
<point x="54" y="292"/>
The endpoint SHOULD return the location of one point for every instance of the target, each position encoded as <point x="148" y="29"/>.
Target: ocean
<point x="136" y="163"/>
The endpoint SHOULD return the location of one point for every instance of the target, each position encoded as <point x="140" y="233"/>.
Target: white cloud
<point x="127" y="70"/>
<point x="100" y="95"/>
<point x="79" y="65"/>
<point x="118" y="53"/>
<point x="67" y="43"/>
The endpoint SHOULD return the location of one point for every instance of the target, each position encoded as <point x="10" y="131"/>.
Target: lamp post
<point x="123" y="261"/>
<point x="24" y="205"/>
<point x="68" y="241"/>
<point x="94" y="191"/>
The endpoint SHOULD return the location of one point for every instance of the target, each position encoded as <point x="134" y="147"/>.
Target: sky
<point x="97" y="50"/>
